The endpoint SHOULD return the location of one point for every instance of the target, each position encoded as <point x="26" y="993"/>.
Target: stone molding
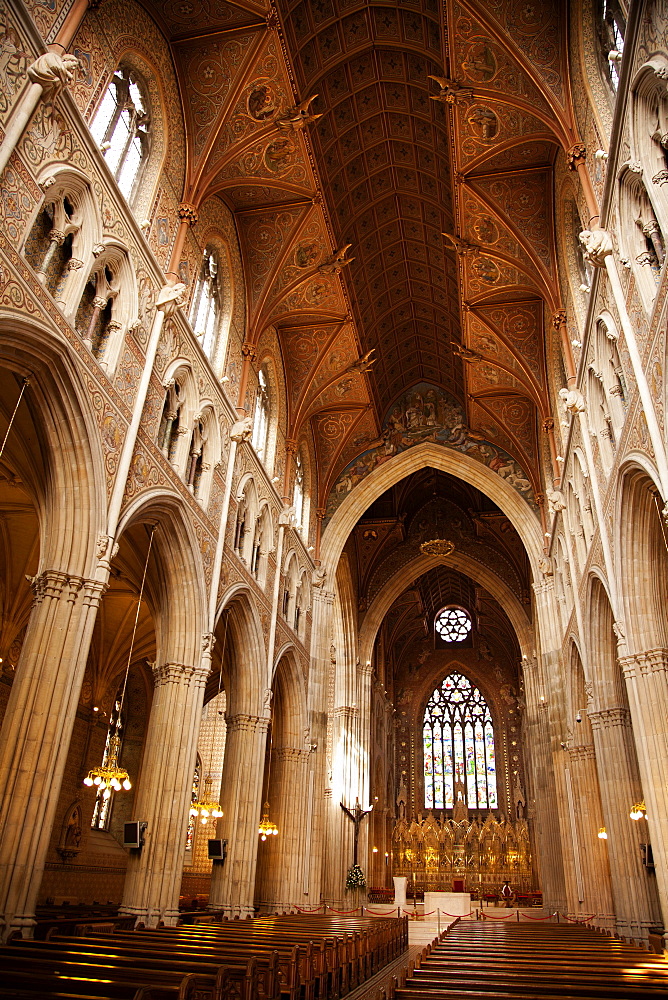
<point x="609" y="717"/>
<point x="291" y="755"/>
<point x="652" y="661"/>
<point x="345" y="712"/>
<point x="246" y="723"/>
<point x="54" y="583"/>
<point x="585" y="751"/>
<point x="179" y="673"/>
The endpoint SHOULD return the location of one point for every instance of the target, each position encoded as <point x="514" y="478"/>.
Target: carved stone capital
<point x="242" y="430"/>
<point x="575" y="155"/>
<point x="291" y="755"/>
<point x="53" y="72"/>
<point x="75" y="265"/>
<point x="170" y="297"/>
<point x="249" y="351"/>
<point x="246" y="724"/>
<point x="559" y="319"/>
<point x="179" y="673"/>
<point x="609" y="717"/>
<point x="597" y="245"/>
<point x="188" y="213"/>
<point x="660" y="178"/>
<point x="582" y="752"/>
<point x="57" y="236"/>
<point x="99" y="302"/>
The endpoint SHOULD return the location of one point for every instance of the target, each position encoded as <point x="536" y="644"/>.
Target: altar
<point x="455" y="904"/>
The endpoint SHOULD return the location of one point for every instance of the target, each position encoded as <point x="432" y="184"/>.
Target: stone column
<point x="36" y="735"/>
<point x="339" y="830"/>
<point x="323" y="663"/>
<point x="153" y="879"/>
<point x="619" y="781"/>
<point x="591" y="891"/>
<point x="233" y="884"/>
<point x="539" y="676"/>
<point x="646" y="677"/>
<point x="281" y="858"/>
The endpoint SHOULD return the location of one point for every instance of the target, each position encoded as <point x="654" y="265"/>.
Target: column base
<point x="238" y="912"/>
<point x="149" y="917"/>
<point x="19" y="925"/>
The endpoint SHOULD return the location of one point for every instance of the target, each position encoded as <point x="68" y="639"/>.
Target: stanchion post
<point x="518" y="916"/>
<point x="557" y="916"/>
<point x="438" y="920"/>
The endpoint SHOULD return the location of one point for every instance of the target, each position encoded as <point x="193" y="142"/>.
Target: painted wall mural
<point x="428" y="414"/>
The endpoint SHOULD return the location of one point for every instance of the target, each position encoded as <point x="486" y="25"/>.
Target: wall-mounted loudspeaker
<point x="217" y="849"/>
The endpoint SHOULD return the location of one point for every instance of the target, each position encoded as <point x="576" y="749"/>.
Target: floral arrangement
<point x="355" y="879"/>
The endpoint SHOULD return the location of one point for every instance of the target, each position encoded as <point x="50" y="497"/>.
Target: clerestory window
<point x="205" y="307"/>
<point x="121" y="128"/>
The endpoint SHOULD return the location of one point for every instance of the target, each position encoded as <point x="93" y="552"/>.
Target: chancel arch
<point x="419" y="457"/>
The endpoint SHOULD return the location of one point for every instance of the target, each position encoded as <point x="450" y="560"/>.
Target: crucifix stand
<point x="356" y="815"/>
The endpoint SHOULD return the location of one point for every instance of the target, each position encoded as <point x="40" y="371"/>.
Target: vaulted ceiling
<point x="394" y="160"/>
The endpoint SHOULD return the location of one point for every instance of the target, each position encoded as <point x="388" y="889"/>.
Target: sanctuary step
<point x="276" y="958"/>
<point x="480" y="959"/>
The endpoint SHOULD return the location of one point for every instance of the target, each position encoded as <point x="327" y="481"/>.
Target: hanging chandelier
<point x="266" y="827"/>
<point x="110" y="776"/>
<point x="602" y="834"/>
<point x="638" y="811"/>
<point x="204" y="806"/>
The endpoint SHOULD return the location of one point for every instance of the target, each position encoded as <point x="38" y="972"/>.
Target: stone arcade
<point x="334" y="462"/>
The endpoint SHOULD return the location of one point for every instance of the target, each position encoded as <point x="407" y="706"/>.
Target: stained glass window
<point x="194" y="795"/>
<point x="458" y="746"/>
<point x="453" y="624"/>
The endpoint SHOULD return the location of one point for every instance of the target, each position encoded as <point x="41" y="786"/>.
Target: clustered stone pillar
<point x="281" y="858"/>
<point x="36" y="735"/>
<point x="619" y="781"/>
<point x="233" y="884"/>
<point x="154" y="873"/>
<point x="587" y="818"/>
<point x="646" y="677"/>
<point x="320" y="792"/>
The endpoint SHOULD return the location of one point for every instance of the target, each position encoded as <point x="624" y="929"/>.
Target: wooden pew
<point x="512" y="961"/>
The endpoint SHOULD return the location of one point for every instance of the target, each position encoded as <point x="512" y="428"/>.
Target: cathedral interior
<point x="334" y="455"/>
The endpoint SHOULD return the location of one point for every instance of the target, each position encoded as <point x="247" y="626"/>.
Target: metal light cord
<point x="26" y="383"/>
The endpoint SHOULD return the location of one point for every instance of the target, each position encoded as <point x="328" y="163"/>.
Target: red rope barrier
<point x="383" y="913"/>
<point x="527" y="917"/>
<point x="488" y="916"/>
<point x="341" y="913"/>
<point x="576" y="920"/>
<point x="409" y="912"/>
<point x="313" y="909"/>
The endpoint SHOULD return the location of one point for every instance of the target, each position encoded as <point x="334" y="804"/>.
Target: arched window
<point x="452" y="624"/>
<point x="121" y="128"/>
<point x="458" y="746"/>
<point x="171" y="418"/>
<point x="612" y="27"/>
<point x="105" y="797"/>
<point x="205" y="306"/>
<point x="194" y="796"/>
<point x="298" y="492"/>
<point x="261" y="417"/>
<point x="49" y="247"/>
